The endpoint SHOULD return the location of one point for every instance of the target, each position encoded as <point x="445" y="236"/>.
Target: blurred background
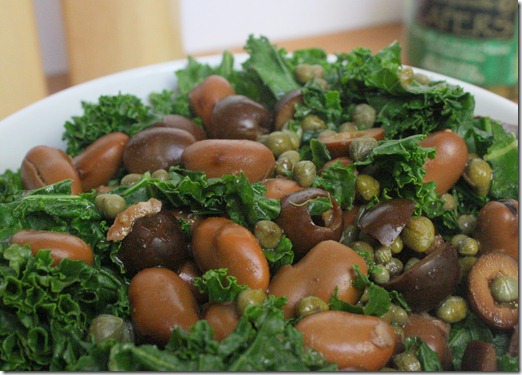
<point x="49" y="45"/>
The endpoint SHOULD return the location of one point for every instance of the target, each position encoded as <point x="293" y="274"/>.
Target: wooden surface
<point x="105" y="37"/>
<point x="373" y="38"/>
<point x="22" y="80"/>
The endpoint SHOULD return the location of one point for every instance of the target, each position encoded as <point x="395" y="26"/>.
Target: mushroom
<point x="285" y="108"/>
<point x="479" y="356"/>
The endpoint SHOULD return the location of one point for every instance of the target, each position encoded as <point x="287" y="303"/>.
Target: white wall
<point x="209" y="25"/>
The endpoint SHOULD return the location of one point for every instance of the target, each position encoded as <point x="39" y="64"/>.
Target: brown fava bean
<point x="182" y="123"/>
<point x="327" y="266"/>
<point x="479" y="356"/>
<point x="160" y="301"/>
<point x="497" y="227"/>
<point x="154" y="241"/>
<point x="100" y="161"/>
<point x="349" y="340"/>
<point x="44" y="165"/>
<point x="62" y="245"/>
<point x="221" y="243"/>
<point x="239" y="117"/>
<point x="188" y="272"/>
<point x="278" y="187"/>
<point x="155" y="148"/>
<point x="338" y="144"/>
<point x="485" y="270"/>
<point x="223" y="318"/>
<point x="449" y="162"/>
<point x="217" y="157"/>
<point x="204" y="96"/>
<point x="433" y="332"/>
<point x="285" y="108"/>
<point x="303" y="229"/>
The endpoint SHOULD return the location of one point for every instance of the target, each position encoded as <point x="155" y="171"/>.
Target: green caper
<point x="364" y="116"/>
<point x="367" y="187"/>
<point x="279" y="142"/>
<point x="305" y="173"/>
<point x="365" y="296"/>
<point x="361" y="147"/>
<point x="467" y="223"/>
<point x="465" y="264"/>
<point x="406" y="76"/>
<point x="453" y="309"/>
<point x="399" y="332"/>
<point x="397" y="245"/>
<point x="382" y="254"/>
<point x="399" y="315"/>
<point x="268" y="233"/>
<point x="349" y="235"/>
<point x="321" y="82"/>
<point x="249" y="297"/>
<point x="286" y="161"/>
<point x="313" y="123"/>
<point x="160" y="174"/>
<point x="309" y="305"/>
<point x="306" y="72"/>
<point x="478" y="174"/>
<point x="295" y="138"/>
<point x="380" y="275"/>
<point x="394" y="266"/>
<point x="363" y="246"/>
<point x="449" y="202"/>
<point x="423" y="79"/>
<point x="110" y="205"/>
<point x="407" y="361"/>
<point x="106" y="326"/>
<point x="130" y="179"/>
<point x="504" y="289"/>
<point x="410" y="263"/>
<point x="327" y="133"/>
<point x="347" y="127"/>
<point x="468" y="247"/>
<point x="457" y="239"/>
<point x="418" y="234"/>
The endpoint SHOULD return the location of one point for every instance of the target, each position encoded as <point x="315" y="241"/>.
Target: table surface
<point x="373" y="38"/>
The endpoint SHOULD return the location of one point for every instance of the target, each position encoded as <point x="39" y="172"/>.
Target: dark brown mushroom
<point x="285" y="108"/>
<point x="386" y="219"/>
<point x="239" y="117"/>
<point x="304" y="230"/>
<point x="430" y="280"/>
<point x="479" y="356"/>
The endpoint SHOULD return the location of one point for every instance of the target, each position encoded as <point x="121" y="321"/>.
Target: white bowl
<point x="42" y="122"/>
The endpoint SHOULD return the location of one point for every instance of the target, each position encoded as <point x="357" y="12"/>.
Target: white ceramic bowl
<point x="42" y="122"/>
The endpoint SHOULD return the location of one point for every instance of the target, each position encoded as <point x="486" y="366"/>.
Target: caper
<point x="364" y="116"/>
<point x="397" y="245"/>
<point x="410" y="263"/>
<point x="306" y="72"/>
<point x="405" y="76"/>
<point x="278" y="142"/>
<point x="394" y="266"/>
<point x="327" y="133"/>
<point x="361" y="147"/>
<point x="418" y="234"/>
<point x="130" y="179"/>
<point x="313" y="123"/>
<point x="106" y="326"/>
<point x="382" y="254"/>
<point x="268" y="233"/>
<point x="467" y="223"/>
<point x="466" y="263"/>
<point x="249" y="297"/>
<point x="321" y="82"/>
<point x="349" y="235"/>
<point x="110" y="205"/>
<point x="160" y="174"/>
<point x="399" y="332"/>
<point x="367" y="187"/>
<point x="478" y="174"/>
<point x="399" y="315"/>
<point x="457" y="239"/>
<point x="423" y="79"/>
<point x="453" y="309"/>
<point x="309" y="305"/>
<point x="380" y="275"/>
<point x="295" y="138"/>
<point x="468" y="247"/>
<point x="286" y="161"/>
<point x="363" y="246"/>
<point x="504" y="289"/>
<point x="305" y="173"/>
<point x="347" y="127"/>
<point x="449" y="202"/>
<point x="407" y="361"/>
<point x="365" y="296"/>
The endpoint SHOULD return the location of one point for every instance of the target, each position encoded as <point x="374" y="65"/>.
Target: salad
<point x="301" y="212"/>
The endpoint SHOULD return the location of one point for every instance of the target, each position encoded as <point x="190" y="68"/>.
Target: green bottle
<point x="472" y="40"/>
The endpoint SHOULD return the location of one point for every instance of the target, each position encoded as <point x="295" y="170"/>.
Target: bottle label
<point x="472" y="40"/>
